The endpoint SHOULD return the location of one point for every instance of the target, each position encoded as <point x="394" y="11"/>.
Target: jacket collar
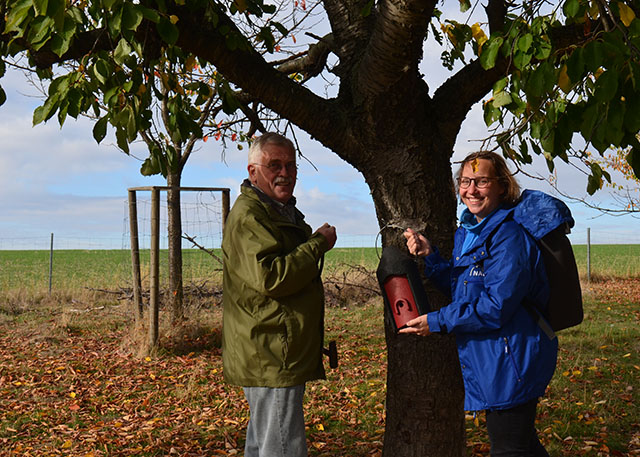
<point x="488" y="225"/>
<point x="287" y="210"/>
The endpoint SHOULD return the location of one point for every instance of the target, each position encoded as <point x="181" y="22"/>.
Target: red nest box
<point x="401" y="286"/>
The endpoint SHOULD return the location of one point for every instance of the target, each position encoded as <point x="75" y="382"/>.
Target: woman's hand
<point x="417" y="244"/>
<point x="417" y="326"/>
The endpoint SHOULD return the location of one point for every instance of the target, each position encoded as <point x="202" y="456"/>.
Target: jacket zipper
<point x="510" y="355"/>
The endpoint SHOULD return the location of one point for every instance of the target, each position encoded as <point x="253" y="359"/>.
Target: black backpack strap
<point x="539" y="318"/>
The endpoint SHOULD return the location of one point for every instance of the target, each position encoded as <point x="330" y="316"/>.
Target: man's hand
<point x="329" y="232"/>
<point x="417" y="244"/>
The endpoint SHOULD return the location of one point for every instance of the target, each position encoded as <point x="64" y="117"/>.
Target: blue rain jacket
<point x="506" y="358"/>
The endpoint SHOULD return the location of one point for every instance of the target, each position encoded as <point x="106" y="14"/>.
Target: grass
<point x="73" y="380"/>
<point x="77" y="269"/>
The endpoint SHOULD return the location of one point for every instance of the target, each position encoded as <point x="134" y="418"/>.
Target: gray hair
<point x="255" y="150"/>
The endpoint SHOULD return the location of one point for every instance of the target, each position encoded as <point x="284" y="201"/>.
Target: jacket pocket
<point x="509" y="354"/>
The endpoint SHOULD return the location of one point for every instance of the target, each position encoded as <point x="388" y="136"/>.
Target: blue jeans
<point x="276" y="422"/>
<point x="512" y="432"/>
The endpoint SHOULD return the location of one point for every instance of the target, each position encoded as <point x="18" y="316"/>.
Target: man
<point x="273" y="318"/>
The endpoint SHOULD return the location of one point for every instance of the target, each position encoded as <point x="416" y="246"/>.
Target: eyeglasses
<point x="275" y="167"/>
<point x="480" y="182"/>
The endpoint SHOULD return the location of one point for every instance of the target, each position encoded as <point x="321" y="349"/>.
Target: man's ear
<point x="251" y="169"/>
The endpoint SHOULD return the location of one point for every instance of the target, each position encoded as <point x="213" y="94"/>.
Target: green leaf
<point x="490" y="52"/>
<point x="606" y="86"/>
<point x="575" y="65"/>
<point x="500" y="85"/>
<point x="40" y="7"/>
<point x="121" y="140"/>
<point x="535" y="85"/>
<point x="115" y="22"/>
<point x="571" y="8"/>
<point x="521" y="60"/>
<point x="524" y="42"/>
<point x="150" y="14"/>
<point x="131" y="16"/>
<point x="17" y="14"/>
<point x="101" y="70"/>
<point x="168" y="31"/>
<point x="122" y="51"/>
<point x="61" y="41"/>
<point x="491" y="113"/>
<point x="502" y="98"/>
<point x="543" y="50"/>
<point x="593" y="56"/>
<point x="40" y="31"/>
<point x="100" y="129"/>
<point x="590" y="116"/>
<point x="43" y="113"/>
<point x="148" y="169"/>
<point x="281" y="28"/>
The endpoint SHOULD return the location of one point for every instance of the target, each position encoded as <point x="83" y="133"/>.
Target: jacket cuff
<point x="434" y="323"/>
<point x="321" y="242"/>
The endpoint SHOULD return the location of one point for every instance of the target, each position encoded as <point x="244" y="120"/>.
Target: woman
<point x="507" y="360"/>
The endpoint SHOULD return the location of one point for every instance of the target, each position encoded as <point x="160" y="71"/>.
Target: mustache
<point x="282" y="180"/>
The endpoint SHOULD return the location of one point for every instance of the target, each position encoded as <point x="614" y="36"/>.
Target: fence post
<point x="588" y="254"/>
<point x="51" y="264"/>
<point x="154" y="267"/>
<point x="135" y="256"/>
<point x="225" y="205"/>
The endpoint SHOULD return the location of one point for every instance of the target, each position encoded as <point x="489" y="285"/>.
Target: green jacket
<point x="273" y="300"/>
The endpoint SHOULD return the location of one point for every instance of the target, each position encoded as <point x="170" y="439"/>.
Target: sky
<point x="59" y="180"/>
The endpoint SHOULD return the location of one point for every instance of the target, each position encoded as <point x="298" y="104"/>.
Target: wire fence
<point x="30" y="263"/>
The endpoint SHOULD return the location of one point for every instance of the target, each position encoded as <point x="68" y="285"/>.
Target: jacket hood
<point x="540" y="213"/>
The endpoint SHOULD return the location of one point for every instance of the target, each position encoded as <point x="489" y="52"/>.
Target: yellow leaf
<point x="478" y="33"/>
<point x="72" y="395"/>
<point x="565" y="373"/>
<point x="173" y="19"/>
<point x="626" y="355"/>
<point x="67" y="444"/>
<point x="152" y="376"/>
<point x="576" y="372"/>
<point x="148" y="359"/>
<point x="563" y="80"/>
<point x="320" y="427"/>
<point x="626" y="14"/>
<point x="593" y="368"/>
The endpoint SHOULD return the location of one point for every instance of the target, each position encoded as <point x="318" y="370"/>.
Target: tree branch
<point x="395" y="47"/>
<point x="247" y="69"/>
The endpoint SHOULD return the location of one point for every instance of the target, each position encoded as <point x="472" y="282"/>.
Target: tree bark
<point x="424" y="404"/>
<point x="174" y="229"/>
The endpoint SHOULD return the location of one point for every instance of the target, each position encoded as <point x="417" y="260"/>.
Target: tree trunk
<point x="174" y="227"/>
<point x="425" y="394"/>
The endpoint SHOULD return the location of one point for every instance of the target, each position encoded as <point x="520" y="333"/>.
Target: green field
<point x="100" y="269"/>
